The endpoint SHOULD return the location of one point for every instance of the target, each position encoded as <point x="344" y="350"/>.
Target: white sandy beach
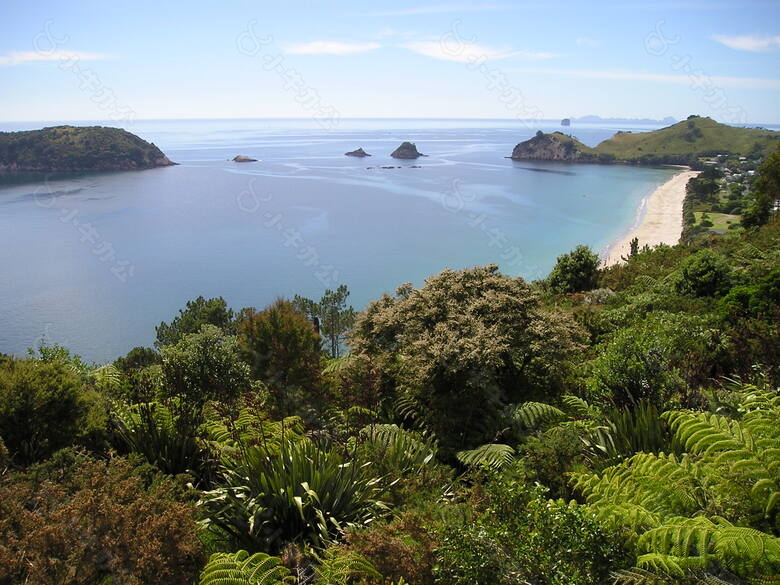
<point x="661" y="221"/>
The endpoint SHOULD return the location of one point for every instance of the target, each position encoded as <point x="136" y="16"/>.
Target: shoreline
<point x="660" y="219"/>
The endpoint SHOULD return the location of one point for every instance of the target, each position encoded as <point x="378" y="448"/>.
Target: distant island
<point x="244" y="158"/>
<point x="681" y="143"/>
<point x="407" y="150"/>
<point x="77" y="148"/>
<point x="359" y="153"/>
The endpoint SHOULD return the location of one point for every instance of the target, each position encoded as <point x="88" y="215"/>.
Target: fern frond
<point x="338" y="566"/>
<point x="576" y="406"/>
<point x="699" y="543"/>
<point x="636" y="576"/>
<point x="338" y="365"/>
<point x="633" y="517"/>
<point x="491" y="455"/>
<point x="663" y="484"/>
<point x="534" y="415"/>
<point x="241" y="568"/>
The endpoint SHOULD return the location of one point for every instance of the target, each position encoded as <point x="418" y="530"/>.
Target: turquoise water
<point x="303" y="218"/>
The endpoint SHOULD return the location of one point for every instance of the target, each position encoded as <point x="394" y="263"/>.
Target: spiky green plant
<point x="396" y="451"/>
<point x="301" y="494"/>
<point x="241" y="568"/>
<point x="622" y="432"/>
<point x="166" y="435"/>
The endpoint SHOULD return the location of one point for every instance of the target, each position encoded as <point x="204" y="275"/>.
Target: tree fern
<point x="410" y="410"/>
<point x="576" y="406"/>
<point x="106" y="378"/>
<point x="338" y="566"/>
<point x="662" y="484"/>
<point x="535" y="415"/>
<point x="745" y="450"/>
<point x="682" y="545"/>
<point x="634" y="518"/>
<point x="491" y="455"/>
<point x="730" y="464"/>
<point x="227" y="437"/>
<point x="337" y="365"/>
<point x="241" y="568"/>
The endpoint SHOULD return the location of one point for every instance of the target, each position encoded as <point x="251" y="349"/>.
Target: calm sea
<point x="95" y="261"/>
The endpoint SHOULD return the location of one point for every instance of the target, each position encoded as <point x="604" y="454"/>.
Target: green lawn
<point x="720" y="221"/>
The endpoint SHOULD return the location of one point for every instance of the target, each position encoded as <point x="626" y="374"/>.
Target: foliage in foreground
<point x="521" y="537"/>
<point x="712" y="509"/>
<point x="241" y="568"/>
<point x="77" y="521"/>
<point x="43" y="407"/>
<point x="455" y="401"/>
<point x="303" y="493"/>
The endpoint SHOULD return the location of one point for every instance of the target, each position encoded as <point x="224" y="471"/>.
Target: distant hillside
<point x="680" y="143"/>
<point x="598" y="119"/>
<point x="71" y="148"/>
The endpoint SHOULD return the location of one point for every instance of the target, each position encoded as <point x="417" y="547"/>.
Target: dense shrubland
<point x="603" y="425"/>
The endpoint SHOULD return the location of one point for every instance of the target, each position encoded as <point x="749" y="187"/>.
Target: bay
<point x="302" y="219"/>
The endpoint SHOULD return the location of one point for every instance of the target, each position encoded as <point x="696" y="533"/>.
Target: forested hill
<point x="71" y="148"/>
<point x="681" y="143"/>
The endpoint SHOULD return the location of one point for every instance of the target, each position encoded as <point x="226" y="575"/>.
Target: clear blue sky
<point x="176" y="59"/>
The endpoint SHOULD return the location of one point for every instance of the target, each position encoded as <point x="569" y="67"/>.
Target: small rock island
<point x="359" y="153"/>
<point x="77" y="149"/>
<point x="407" y="150"/>
<point x="244" y="158"/>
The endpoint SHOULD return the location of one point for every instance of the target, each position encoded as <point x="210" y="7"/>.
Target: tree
<point x="136" y="359"/>
<point x="462" y="346"/>
<point x="41" y="407"/>
<point x="766" y="192"/>
<point x="190" y="319"/>
<point x="575" y="272"/>
<point x="758" y="212"/>
<point x="334" y="317"/>
<point x="204" y="366"/>
<point x="283" y="350"/>
<point x="647" y="361"/>
<point x="704" y="274"/>
<point x="633" y="250"/>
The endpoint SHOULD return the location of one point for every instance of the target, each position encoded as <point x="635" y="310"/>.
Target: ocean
<point x="94" y="261"/>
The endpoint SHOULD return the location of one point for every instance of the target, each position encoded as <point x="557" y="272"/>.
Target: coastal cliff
<point x="72" y="149"/>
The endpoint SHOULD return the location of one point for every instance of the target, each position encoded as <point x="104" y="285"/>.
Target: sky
<point x="125" y="61"/>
